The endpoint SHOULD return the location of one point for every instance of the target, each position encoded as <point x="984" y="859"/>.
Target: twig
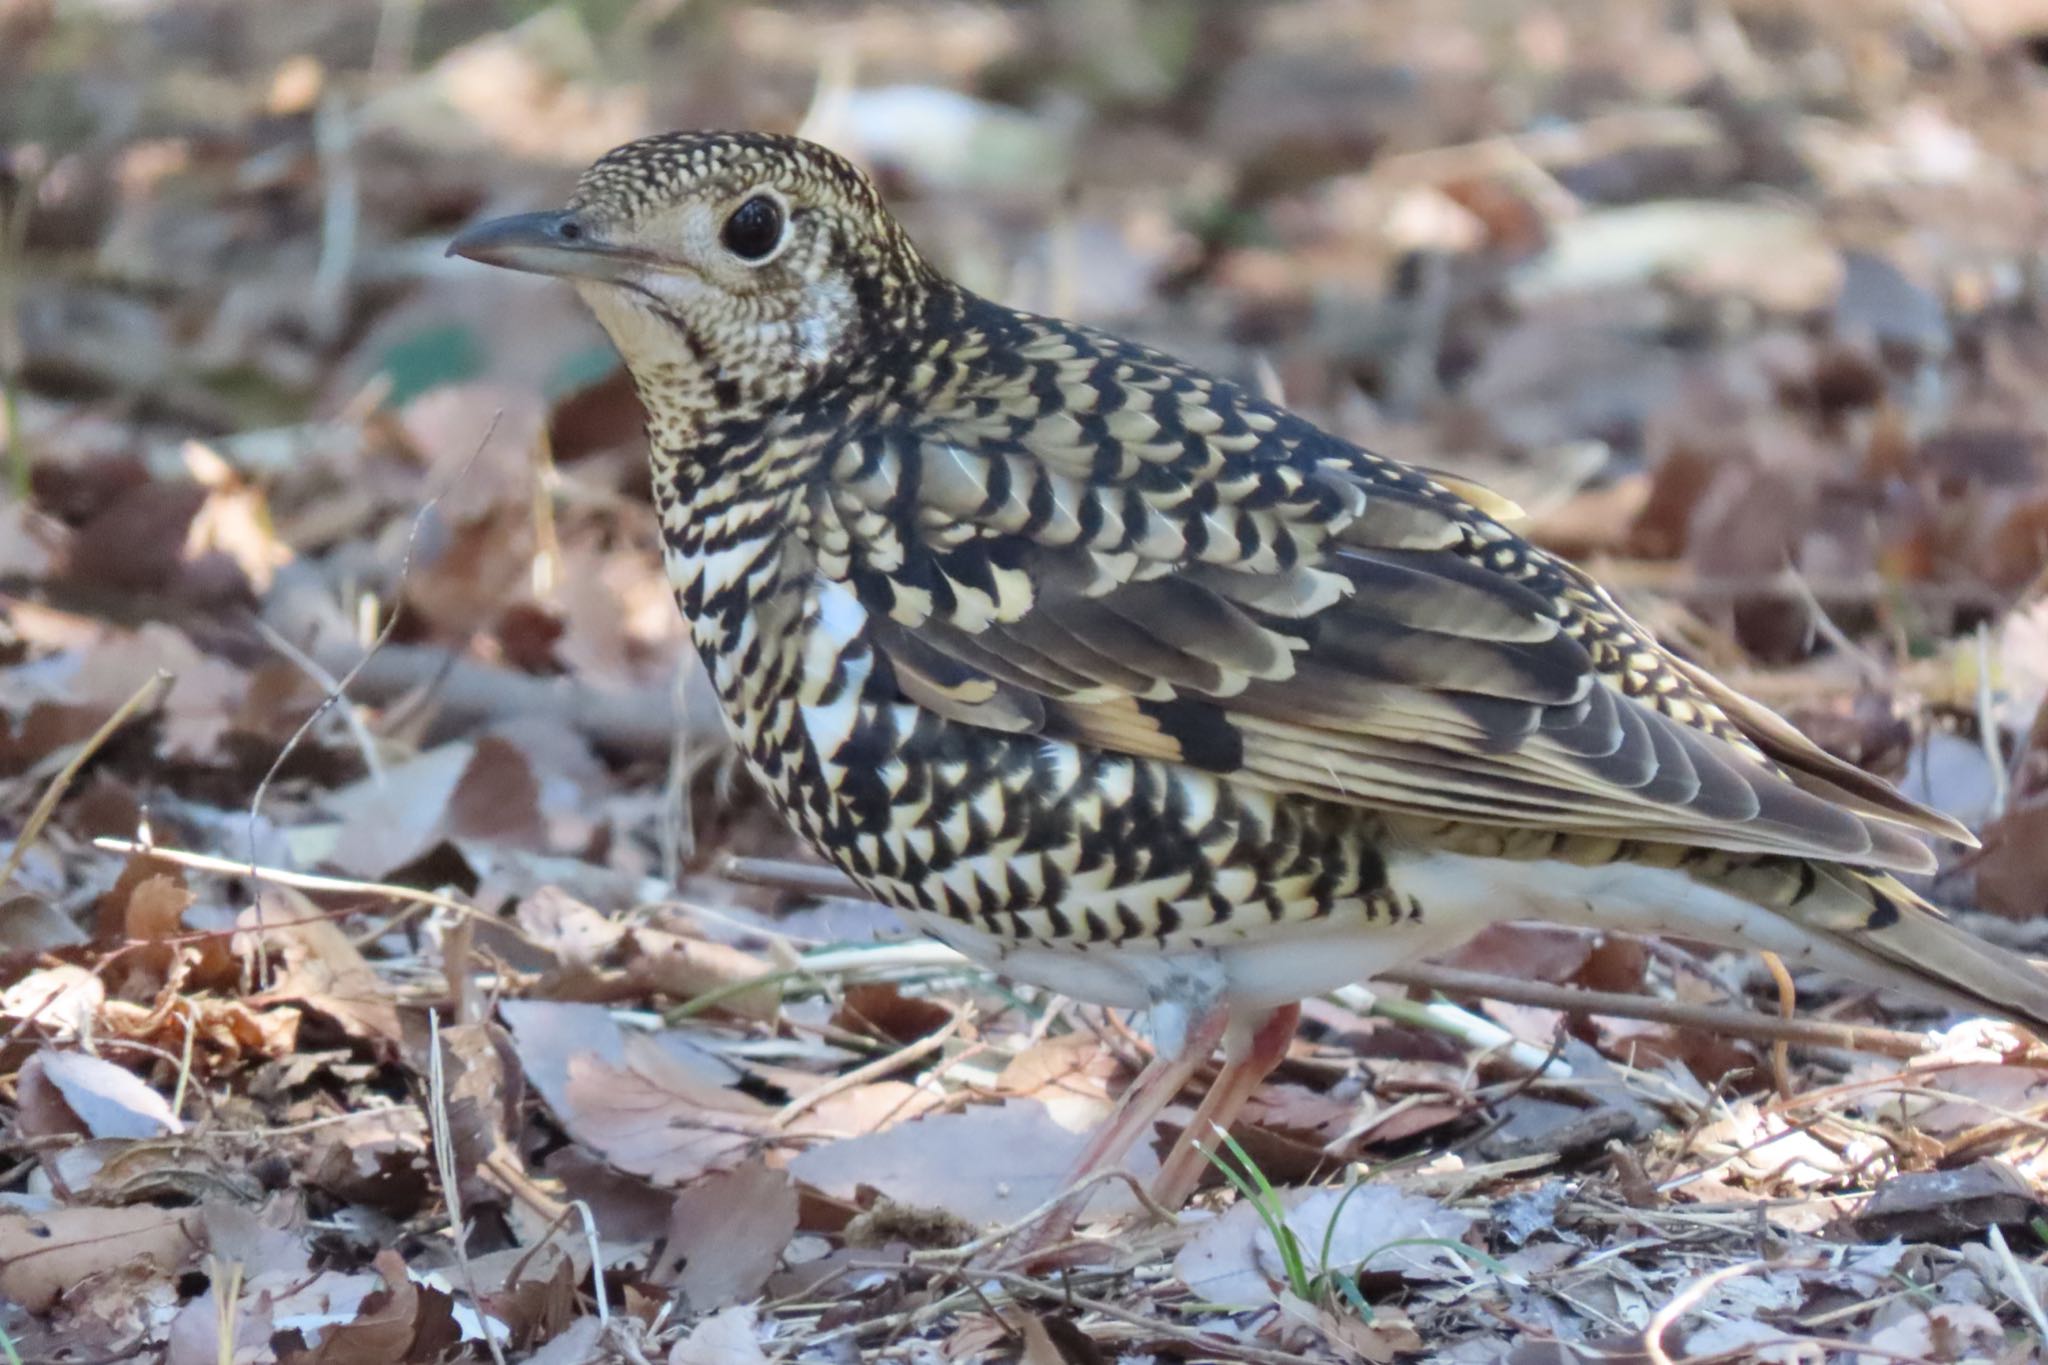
<point x="1207" y="1341"/>
<point x="340" y="690"/>
<point x="302" y="881"/>
<point x="1682" y="1303"/>
<point x="1788" y="1001"/>
<point x="144" y="697"/>
<point x="874" y="1070"/>
<point x="1738" y="1023"/>
<point x="451" y="1192"/>
<point x="589" y="1220"/>
<point x="2022" y="1291"/>
<point x="1988" y="731"/>
<point x="330" y="686"/>
<point x="341" y="211"/>
<point x="28" y="174"/>
<point x="639" y="721"/>
<point x="678" y="829"/>
<point x="996" y="1236"/>
<point x="814" y="879"/>
<point x="227" y="1281"/>
<point x="1824" y="624"/>
<point x="1460" y="1025"/>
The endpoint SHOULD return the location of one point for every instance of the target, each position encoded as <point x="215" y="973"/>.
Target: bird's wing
<point x="1091" y="541"/>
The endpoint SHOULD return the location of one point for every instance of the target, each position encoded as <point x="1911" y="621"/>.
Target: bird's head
<point x="734" y="271"/>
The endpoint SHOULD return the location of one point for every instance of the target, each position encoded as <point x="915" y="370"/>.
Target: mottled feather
<point x="1141" y="687"/>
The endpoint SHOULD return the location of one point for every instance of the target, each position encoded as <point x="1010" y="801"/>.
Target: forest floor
<point x="395" y="968"/>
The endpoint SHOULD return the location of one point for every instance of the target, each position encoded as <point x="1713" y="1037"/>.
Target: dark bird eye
<point x="754" y="229"/>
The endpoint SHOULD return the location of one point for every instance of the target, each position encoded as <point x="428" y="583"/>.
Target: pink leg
<point x="1239" y="1078"/>
<point x="1129" y="1123"/>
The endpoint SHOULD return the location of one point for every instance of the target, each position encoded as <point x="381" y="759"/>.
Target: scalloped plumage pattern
<point x="1049" y="637"/>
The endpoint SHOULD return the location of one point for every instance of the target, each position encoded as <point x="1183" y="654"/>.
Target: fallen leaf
<point x="882" y="1008"/>
<point x="1390" y="1333"/>
<point x="726" y="1236"/>
<point x="44" y="1255"/>
<point x="62" y="1001"/>
<point x="1947" y="1207"/>
<point x="660" y="1113"/>
<point x="661" y="963"/>
<point x="321" y="969"/>
<point x="1234" y="1260"/>
<point x="111" y="1101"/>
<point x="1947" y="1331"/>
<point x="576" y="1345"/>
<point x="989" y="1164"/>
<point x="404" y="1323"/>
<point x="1776" y="254"/>
<point x="728" y="1337"/>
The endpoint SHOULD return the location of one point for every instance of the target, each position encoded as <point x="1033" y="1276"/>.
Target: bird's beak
<point x="545" y="244"/>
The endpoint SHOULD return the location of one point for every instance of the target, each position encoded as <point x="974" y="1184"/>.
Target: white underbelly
<point x="1459" y="896"/>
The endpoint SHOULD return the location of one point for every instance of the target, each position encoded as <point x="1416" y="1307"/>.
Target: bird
<point x="1134" y="685"/>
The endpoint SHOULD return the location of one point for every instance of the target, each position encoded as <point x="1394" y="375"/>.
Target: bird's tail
<point x="1895" y="938"/>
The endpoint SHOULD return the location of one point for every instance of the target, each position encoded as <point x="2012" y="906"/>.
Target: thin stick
<point x="1788" y="1000"/>
<point x="329" y="686"/>
<point x="1739" y="1023"/>
<point x="874" y="1070"/>
<point x="302" y="881"/>
<point x="1207" y="1341"/>
<point x="2022" y="1291"/>
<point x="1682" y="1303"/>
<point x="1988" y="729"/>
<point x="337" y="696"/>
<point x="451" y="1193"/>
<point x="145" y="697"/>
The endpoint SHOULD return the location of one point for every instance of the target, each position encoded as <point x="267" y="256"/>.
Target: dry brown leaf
<point x="59" y="1251"/>
<point x="320" y="968"/>
<point x="881" y="1007"/>
<point x="61" y="1001"/>
<point x="665" y="964"/>
<point x="657" y="1114"/>
<point x="729" y="1337"/>
<point x="1388" y="1336"/>
<point x="1234" y="1260"/>
<point x="726" y="1236"/>
<point x="989" y="1164"/>
<point x="195" y="714"/>
<point x="541" y="1301"/>
<point x="1963" y="1096"/>
<point x="497" y="798"/>
<point x="1946" y="1331"/>
<point x="225" y="1033"/>
<point x="109" y="1100"/>
<point x="1526" y="952"/>
<point x="2012" y="869"/>
<point x="404" y="1323"/>
<point x="380" y="1161"/>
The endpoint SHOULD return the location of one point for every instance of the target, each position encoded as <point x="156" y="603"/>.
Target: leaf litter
<point x="1738" y="299"/>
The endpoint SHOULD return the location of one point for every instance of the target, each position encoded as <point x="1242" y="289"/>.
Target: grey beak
<point x="543" y="244"/>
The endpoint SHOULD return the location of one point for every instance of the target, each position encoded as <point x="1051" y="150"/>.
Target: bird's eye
<point x="754" y="229"/>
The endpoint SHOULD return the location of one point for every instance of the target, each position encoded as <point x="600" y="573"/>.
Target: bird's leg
<point x="1264" y="1049"/>
<point x="1128" y="1123"/>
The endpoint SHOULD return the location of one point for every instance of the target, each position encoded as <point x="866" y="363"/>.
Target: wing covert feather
<point x="1225" y="585"/>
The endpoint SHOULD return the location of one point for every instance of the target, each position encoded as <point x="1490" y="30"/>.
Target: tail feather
<point x="1901" y="940"/>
